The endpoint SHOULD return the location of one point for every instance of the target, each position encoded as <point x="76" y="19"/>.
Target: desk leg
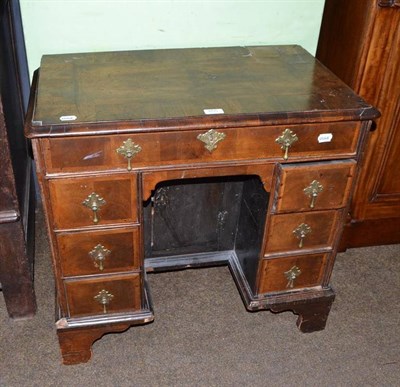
<point x="313" y="313"/>
<point x="313" y="317"/>
<point x="76" y="344"/>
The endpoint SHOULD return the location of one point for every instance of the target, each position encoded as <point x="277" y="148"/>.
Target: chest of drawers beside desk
<point x="295" y="170"/>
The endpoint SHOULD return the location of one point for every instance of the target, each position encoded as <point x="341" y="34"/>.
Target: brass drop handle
<point x="104" y="298"/>
<point x="312" y="191"/>
<point x="129" y="150"/>
<point x="94" y="202"/>
<point x="301" y="232"/>
<point x="286" y="140"/>
<point x="211" y="139"/>
<point x="291" y="275"/>
<point x="99" y="255"/>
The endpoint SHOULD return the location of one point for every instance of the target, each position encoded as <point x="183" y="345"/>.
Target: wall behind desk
<point x="66" y="26"/>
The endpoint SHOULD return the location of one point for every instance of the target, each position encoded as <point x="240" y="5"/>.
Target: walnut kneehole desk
<point x="166" y="159"/>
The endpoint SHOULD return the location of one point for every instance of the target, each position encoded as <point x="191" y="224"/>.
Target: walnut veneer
<point x="138" y="175"/>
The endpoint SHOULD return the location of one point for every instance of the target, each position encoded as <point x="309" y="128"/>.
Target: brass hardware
<point x="301" y="232"/>
<point x="129" y="150"/>
<point x="99" y="254"/>
<point x="211" y="139"/>
<point x="286" y="140"/>
<point x="104" y="298"/>
<point x="94" y="202"/>
<point x="312" y="191"/>
<point x="161" y="198"/>
<point x="291" y="275"/>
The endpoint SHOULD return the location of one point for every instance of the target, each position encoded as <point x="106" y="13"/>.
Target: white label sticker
<point x="325" y="137"/>
<point x="213" y="111"/>
<point x="68" y="118"/>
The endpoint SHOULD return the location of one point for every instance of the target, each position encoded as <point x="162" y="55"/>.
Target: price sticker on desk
<point x="68" y="118"/>
<point x="213" y="111"/>
<point x="325" y="137"/>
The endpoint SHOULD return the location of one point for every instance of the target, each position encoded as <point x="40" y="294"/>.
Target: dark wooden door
<point x="17" y="188"/>
<point x="360" y="42"/>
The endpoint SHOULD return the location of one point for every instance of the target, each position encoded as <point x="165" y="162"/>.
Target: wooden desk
<point x="166" y="159"/>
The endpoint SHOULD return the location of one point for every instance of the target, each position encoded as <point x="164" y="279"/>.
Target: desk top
<point x="265" y="84"/>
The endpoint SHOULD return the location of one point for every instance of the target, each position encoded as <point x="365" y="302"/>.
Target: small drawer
<point x="289" y="273"/>
<point x="314" y="186"/>
<point x="99" y="252"/>
<point x="93" y="201"/>
<point x="302" y="231"/>
<point x="108" y="152"/>
<point x="115" y="294"/>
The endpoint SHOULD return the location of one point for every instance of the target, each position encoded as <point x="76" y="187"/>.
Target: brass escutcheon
<point x="286" y="140"/>
<point x="99" y="254"/>
<point x="129" y="150"/>
<point x="312" y="191"/>
<point x="104" y="298"/>
<point x="211" y="139"/>
<point x="301" y="232"/>
<point x="291" y="275"/>
<point x="94" y="202"/>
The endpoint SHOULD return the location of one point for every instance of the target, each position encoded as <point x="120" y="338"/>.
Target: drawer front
<point x="183" y="147"/>
<point x="93" y="201"/>
<point x="288" y="273"/>
<point x="115" y="294"/>
<point x="285" y="231"/>
<point x="99" y="252"/>
<point x="316" y="186"/>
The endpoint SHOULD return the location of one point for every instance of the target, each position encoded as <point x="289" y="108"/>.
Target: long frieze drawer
<point x="93" y="201"/>
<point x="292" y="142"/>
<point x="294" y="272"/>
<point x="314" y="186"/>
<point x="301" y="231"/>
<point x="99" y="252"/>
<point x="115" y="294"/>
